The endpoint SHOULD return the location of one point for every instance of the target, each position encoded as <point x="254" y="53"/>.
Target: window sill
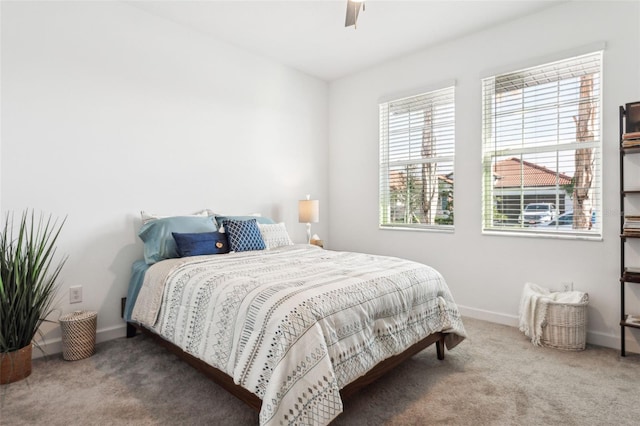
<point x="553" y="235"/>
<point x="445" y="229"/>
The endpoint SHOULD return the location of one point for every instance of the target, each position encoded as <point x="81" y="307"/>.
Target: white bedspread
<point x="296" y="324"/>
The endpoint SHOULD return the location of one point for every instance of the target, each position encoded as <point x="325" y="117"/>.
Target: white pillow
<point x="148" y="217"/>
<point x="274" y="235"/>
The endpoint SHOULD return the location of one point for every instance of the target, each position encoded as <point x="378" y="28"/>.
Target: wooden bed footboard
<point x="255" y="403"/>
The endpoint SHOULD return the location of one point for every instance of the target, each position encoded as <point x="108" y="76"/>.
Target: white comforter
<point x="296" y="324"/>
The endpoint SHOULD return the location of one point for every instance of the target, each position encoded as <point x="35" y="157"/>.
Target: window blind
<point x="417" y="137"/>
<point x="542" y="149"/>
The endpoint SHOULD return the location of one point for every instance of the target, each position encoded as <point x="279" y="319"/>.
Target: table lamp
<point x="308" y="212"/>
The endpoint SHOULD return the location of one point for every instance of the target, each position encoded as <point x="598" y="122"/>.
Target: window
<point x="416" y="161"/>
<point x="542" y="149"/>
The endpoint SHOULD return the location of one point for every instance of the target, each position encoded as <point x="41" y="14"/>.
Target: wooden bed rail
<point x="255" y="403"/>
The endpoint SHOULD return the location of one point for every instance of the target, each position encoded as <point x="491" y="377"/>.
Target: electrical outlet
<point x="567" y="286"/>
<point x="75" y="294"/>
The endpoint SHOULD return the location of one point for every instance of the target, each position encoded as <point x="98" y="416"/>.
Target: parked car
<point x="565" y="221"/>
<point x="536" y="213"/>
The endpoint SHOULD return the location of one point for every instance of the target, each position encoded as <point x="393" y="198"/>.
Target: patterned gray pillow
<point x="275" y="235"/>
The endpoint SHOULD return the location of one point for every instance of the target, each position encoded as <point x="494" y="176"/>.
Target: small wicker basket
<point x="566" y="325"/>
<point x="78" y="334"/>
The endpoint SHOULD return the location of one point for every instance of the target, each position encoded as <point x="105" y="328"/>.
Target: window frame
<point x="440" y="96"/>
<point x="491" y="154"/>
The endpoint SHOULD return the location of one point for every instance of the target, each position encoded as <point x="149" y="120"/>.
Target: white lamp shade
<point x="308" y="211"/>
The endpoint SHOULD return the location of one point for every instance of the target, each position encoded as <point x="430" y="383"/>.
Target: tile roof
<point x="397" y="180"/>
<point x="507" y="173"/>
<point x="514" y="172"/>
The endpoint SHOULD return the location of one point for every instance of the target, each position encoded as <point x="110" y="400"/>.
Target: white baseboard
<point x="481" y="314"/>
<point x="54" y="346"/>
<point x="613" y="341"/>
<point x="632" y="340"/>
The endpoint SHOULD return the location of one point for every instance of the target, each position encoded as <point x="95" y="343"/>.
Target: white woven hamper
<point x="78" y="334"/>
<point x="566" y="325"/>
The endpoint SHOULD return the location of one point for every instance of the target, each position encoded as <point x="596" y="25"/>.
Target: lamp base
<point x="318" y="243"/>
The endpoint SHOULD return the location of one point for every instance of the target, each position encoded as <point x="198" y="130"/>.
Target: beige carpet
<point x="496" y="377"/>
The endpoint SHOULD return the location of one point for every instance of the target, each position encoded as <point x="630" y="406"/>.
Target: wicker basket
<point x="566" y="325"/>
<point x="78" y="334"/>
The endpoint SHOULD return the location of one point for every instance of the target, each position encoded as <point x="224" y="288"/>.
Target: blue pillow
<point x="200" y="243"/>
<point x="259" y="219"/>
<point x="158" y="239"/>
<point x="243" y="235"/>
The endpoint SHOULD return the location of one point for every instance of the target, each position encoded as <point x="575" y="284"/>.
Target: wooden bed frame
<point x="255" y="403"/>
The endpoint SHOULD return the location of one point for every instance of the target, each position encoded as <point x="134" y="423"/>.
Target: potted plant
<point x="27" y="288"/>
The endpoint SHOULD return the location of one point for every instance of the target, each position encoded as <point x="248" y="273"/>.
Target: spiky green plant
<point x="27" y="277"/>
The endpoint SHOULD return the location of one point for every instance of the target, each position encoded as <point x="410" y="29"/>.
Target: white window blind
<point x="542" y="149"/>
<point x="417" y="136"/>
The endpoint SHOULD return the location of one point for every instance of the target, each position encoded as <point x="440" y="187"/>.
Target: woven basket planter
<point x="566" y="326"/>
<point x="15" y="365"/>
<point x="78" y="334"/>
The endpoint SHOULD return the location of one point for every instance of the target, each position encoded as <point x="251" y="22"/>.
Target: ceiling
<point x="310" y="35"/>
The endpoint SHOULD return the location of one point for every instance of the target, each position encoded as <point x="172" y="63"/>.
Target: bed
<point x="291" y="329"/>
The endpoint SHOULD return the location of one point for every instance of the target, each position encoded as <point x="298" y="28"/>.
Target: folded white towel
<point x="533" y="310"/>
<point x="570" y="297"/>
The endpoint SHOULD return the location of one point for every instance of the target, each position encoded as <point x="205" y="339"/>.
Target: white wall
<point x="487" y="273"/>
<point x="107" y="110"/>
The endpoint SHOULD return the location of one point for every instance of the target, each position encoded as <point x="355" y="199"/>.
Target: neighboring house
<point x="518" y="183"/>
<point x="406" y="192"/>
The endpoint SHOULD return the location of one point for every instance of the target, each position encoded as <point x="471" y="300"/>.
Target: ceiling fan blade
<point x="353" y="9"/>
